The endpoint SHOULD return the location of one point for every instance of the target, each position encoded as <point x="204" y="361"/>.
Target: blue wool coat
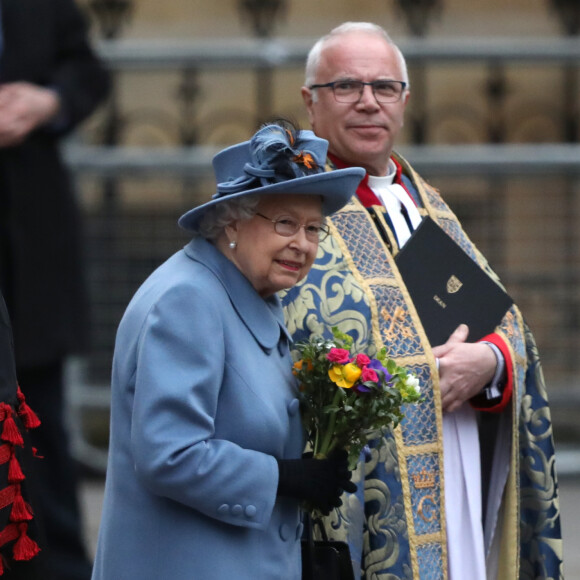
<point x="203" y="401"/>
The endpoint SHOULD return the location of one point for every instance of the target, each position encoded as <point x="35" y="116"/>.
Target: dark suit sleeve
<point x="7" y="366"/>
<point x="79" y="76"/>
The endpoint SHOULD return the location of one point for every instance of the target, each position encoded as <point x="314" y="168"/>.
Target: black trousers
<point x="54" y="485"/>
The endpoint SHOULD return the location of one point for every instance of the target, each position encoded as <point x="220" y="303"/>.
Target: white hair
<point x="219" y="216"/>
<point x="314" y="56"/>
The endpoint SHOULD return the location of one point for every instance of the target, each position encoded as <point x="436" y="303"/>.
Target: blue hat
<point x="278" y="161"/>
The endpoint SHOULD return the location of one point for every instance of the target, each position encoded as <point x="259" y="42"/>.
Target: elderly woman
<point x="206" y="472"/>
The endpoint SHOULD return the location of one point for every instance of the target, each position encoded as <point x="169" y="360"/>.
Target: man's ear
<point x="405" y="101"/>
<point x="308" y="103"/>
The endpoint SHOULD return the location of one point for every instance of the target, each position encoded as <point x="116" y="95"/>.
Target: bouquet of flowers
<point x="347" y="397"/>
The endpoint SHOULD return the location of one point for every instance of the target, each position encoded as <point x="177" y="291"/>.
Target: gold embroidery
<point x="396" y="323"/>
<point x="424" y="479"/>
<point x="427" y="509"/>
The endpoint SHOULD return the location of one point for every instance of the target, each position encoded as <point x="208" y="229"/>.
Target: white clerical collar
<point x="397" y="202"/>
<point x="384" y="180"/>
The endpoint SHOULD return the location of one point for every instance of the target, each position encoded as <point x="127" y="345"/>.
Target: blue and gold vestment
<point x="395" y="523"/>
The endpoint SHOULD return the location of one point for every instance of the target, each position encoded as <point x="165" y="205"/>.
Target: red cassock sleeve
<point x="498" y="406"/>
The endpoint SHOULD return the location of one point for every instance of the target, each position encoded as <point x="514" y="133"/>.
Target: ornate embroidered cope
<point x="395" y="522"/>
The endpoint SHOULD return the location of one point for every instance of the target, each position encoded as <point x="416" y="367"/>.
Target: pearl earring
<point x="233" y="245"/>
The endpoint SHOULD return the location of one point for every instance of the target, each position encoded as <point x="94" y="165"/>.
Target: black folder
<point x="448" y="287"/>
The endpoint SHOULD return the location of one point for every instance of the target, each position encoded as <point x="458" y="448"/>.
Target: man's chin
<point x="374" y="159"/>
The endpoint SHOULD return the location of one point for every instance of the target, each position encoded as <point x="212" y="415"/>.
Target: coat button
<point x="251" y="511"/>
<point x="237" y="510"/>
<point x="224" y="509"/>
<point x="293" y="407"/>
<point x="285" y="532"/>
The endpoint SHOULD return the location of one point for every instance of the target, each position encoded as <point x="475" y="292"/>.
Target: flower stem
<point x="316" y="441"/>
<point x="329" y="434"/>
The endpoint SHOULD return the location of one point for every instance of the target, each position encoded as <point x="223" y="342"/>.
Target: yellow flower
<point x="344" y="376"/>
<point x="335" y="373"/>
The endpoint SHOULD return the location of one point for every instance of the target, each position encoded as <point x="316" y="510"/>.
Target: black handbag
<point x="324" y="559"/>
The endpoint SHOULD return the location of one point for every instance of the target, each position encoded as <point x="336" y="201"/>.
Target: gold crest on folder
<point x="454" y="284"/>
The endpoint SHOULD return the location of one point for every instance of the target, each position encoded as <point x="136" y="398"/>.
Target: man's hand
<point x="464" y="368"/>
<point x="23" y="107"/>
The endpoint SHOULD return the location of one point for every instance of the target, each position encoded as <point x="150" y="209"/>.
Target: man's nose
<point x="367" y="98"/>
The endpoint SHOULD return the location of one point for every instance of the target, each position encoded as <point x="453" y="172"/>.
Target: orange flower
<point x="300" y="363"/>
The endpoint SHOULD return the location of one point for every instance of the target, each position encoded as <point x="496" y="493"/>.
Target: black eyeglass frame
<point x="322" y="234"/>
<point x="362" y="85"/>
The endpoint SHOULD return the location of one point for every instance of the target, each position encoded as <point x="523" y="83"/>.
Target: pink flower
<point x="338" y="355"/>
<point x="362" y="360"/>
<point x="369" y="375"/>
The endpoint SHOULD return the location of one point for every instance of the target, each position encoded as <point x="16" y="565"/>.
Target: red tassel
<point x="15" y="473"/>
<point x="29" y="417"/>
<point x="20" y="509"/>
<point x="25" y="548"/>
<point x="10" y="432"/>
<point x="5" y="453"/>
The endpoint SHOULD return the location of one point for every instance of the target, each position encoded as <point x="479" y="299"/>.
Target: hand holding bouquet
<point x="346" y="397"/>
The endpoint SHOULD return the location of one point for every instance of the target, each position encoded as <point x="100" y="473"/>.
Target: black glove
<point x="319" y="482"/>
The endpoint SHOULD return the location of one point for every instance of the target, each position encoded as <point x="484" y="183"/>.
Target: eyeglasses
<point x="349" y="91"/>
<point x="288" y="226"/>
